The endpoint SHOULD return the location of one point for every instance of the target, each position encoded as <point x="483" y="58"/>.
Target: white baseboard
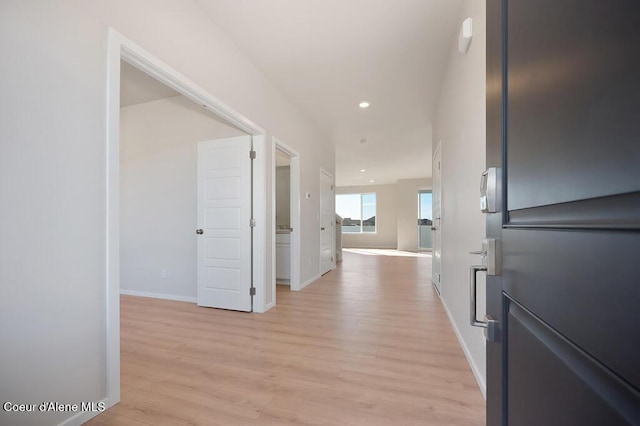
<point x="474" y="367"/>
<point x="269" y="306"/>
<point x="83" y="416"/>
<point x="309" y="281"/>
<point x="158" y="296"/>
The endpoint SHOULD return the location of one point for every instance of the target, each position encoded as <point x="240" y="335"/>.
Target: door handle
<point x="199" y="231"/>
<point x="473" y="294"/>
<point x="490" y="325"/>
<point x="492" y="265"/>
<point x="322" y="229"/>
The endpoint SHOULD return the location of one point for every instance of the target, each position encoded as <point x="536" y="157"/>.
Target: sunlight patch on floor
<point x="387" y="252"/>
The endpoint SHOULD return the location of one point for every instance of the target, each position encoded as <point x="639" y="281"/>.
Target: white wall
<point x="386" y="218"/>
<point x="408" y="211"/>
<point x="460" y="125"/>
<point x="53" y="176"/>
<point x="283" y="196"/>
<point x="158" y="170"/>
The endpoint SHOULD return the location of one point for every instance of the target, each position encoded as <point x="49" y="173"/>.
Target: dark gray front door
<point x="563" y="123"/>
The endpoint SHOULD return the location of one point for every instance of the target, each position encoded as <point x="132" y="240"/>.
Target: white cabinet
<point x="283" y="256"/>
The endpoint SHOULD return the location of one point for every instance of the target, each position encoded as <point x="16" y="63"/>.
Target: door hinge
<point x="332" y="258"/>
<point x="252" y="223"/>
<point x="252" y="154"/>
<point x="252" y="291"/>
<point x="332" y="187"/>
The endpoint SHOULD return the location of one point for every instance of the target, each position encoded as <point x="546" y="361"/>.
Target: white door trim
<point x="294" y="214"/>
<point x="120" y="48"/>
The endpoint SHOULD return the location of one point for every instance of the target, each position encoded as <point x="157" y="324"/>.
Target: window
<point x="425" y="220"/>
<point x="358" y="212"/>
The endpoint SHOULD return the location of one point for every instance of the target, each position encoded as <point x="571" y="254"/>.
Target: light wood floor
<point x="368" y="344"/>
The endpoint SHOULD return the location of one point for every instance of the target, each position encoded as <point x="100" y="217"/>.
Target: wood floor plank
<point x="367" y="344"/>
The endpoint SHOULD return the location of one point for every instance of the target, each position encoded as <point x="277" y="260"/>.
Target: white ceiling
<point x="136" y="87"/>
<point x="328" y="55"/>
<point x="282" y="159"/>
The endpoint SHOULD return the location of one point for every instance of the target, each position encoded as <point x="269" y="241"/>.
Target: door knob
<point x="433" y="228"/>
<point x="322" y="229"/>
<point x="199" y="231"/>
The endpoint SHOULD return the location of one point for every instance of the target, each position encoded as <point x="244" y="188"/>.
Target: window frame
<point x="362" y="218"/>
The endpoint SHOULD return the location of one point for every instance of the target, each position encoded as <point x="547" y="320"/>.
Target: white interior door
<point x="327" y="219"/>
<point x="437" y="214"/>
<point x="224" y="223"/>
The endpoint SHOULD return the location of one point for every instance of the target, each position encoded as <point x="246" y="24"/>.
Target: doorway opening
<point x="286" y="216"/>
<point x="160" y="136"/>
<point x="425" y="220"/>
<point x="327" y="222"/>
<point x="436" y="218"/>
<point x="121" y="49"/>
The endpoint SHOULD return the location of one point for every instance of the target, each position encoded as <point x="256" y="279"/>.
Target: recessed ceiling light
<point x="362" y="170"/>
<point x="364" y="104"/>
<point x="371" y="181"/>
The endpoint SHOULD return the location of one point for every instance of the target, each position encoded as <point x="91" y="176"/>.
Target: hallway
<point x="367" y="344"/>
